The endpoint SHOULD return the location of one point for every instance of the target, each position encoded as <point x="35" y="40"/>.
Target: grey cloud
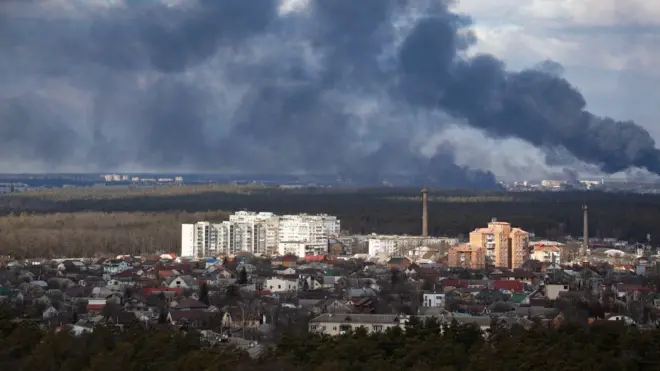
<point x="232" y="85"/>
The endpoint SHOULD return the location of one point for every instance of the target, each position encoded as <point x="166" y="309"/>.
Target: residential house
<point x="311" y="283"/>
<point x="281" y="285"/>
<point x="338" y="324"/>
<point x="197" y="318"/>
<point x="95" y="304"/>
<point x="509" y="285"/>
<point x="552" y="291"/>
<point x="115" y="266"/>
<point x="316" y="258"/>
<point x="183" y="282"/>
<point x="189" y="304"/>
<point x="50" y="312"/>
<point x="434" y="300"/>
<point x="285" y="261"/>
<point x="400" y="263"/>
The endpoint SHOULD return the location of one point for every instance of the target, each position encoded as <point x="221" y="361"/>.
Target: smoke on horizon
<point x="355" y="88"/>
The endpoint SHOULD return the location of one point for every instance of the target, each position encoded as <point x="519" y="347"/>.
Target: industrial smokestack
<point x="585" y="237"/>
<point x="425" y="213"/>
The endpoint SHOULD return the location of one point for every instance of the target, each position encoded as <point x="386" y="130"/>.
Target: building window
<point x="312" y="327"/>
<point x="279" y="286"/>
<point x="378" y="328"/>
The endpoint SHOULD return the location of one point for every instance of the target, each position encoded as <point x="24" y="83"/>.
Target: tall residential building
<point x="394" y="245"/>
<point x="257" y="233"/>
<point x="506" y="247"/>
<point x="467" y="256"/>
<point x="308" y="228"/>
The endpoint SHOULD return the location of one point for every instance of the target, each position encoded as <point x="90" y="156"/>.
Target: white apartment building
<point x="308" y="228"/>
<point x="302" y="248"/>
<point x="391" y="245"/>
<point x="259" y="233"/>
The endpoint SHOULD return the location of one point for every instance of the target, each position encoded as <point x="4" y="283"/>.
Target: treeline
<point x="420" y="347"/>
<point x="379" y="210"/>
<point x="86" y="234"/>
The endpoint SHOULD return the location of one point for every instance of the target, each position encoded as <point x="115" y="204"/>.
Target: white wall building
<point x="258" y="233"/>
<point x="308" y="228"/>
<point x="399" y="245"/>
<point x="546" y="254"/>
<point x="302" y="248"/>
<point x="434" y="300"/>
<point x="280" y="285"/>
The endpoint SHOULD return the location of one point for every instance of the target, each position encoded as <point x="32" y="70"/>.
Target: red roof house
<point x="316" y="258"/>
<point x="509" y="285"/>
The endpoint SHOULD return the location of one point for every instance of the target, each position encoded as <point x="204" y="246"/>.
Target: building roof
<point x="356" y="318"/>
<point x="510" y="285"/>
<point x="315" y="258"/>
<point x="546" y="248"/>
<point x="398" y="260"/>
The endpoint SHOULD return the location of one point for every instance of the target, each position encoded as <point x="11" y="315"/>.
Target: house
<point x="115" y="266"/>
<point x="183" y="282"/>
<point x="237" y="317"/>
<point x="190" y="304"/>
<point x="312" y="283"/>
<point x="50" y="312"/>
<point x="95" y="304"/>
<point x="285" y="261"/>
<point x="135" y="304"/>
<point x="400" y="263"/>
<point x="333" y="306"/>
<point x="286" y="272"/>
<point x="280" y="285"/>
<point x="509" y="285"/>
<point x="339" y="324"/>
<point x="197" y="318"/>
<point x="316" y="258"/>
<point x="434" y="300"/>
<point x="552" y="291"/>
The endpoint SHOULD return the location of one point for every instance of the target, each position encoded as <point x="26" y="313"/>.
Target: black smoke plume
<point x="236" y="85"/>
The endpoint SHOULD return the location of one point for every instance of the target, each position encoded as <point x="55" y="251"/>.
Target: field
<point x="87" y="221"/>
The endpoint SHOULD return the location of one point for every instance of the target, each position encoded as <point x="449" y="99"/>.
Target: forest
<point x="88" y="220"/>
<point x="420" y="346"/>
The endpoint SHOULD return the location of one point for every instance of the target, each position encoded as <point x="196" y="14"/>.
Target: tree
<point x="204" y="293"/>
<point x="243" y="277"/>
<point x="395" y="277"/>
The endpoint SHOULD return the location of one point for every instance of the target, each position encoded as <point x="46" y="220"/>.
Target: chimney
<point x="425" y="213"/>
<point x="585" y="230"/>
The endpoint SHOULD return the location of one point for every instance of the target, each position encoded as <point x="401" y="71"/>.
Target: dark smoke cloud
<point x="233" y="85"/>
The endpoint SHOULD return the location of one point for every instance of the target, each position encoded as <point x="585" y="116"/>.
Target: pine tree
<point x="204" y="294"/>
<point x="243" y="277"/>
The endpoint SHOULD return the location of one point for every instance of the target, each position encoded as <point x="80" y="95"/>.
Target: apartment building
<point x="258" y="233"/>
<point x="308" y="228"/>
<point x="505" y="246"/>
<point x="393" y="245"/>
<point x="546" y="253"/>
<point x="467" y="256"/>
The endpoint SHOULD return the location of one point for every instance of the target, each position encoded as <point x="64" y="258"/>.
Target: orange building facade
<point x="506" y="247"/>
<point x="466" y="256"/>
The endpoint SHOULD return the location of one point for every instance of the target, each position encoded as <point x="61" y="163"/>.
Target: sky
<point x="111" y="85"/>
<point x="609" y="49"/>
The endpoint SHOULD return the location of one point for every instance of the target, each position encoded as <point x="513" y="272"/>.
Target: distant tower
<point x="425" y="213"/>
<point x="585" y="237"/>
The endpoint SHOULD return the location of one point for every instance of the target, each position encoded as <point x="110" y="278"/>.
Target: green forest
<point x="420" y="347"/>
<point x="146" y="219"/>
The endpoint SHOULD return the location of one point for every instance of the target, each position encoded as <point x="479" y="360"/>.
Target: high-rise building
<point x="467" y="256"/>
<point x="308" y="228"/>
<point x="506" y="247"/>
<point x="257" y="233"/>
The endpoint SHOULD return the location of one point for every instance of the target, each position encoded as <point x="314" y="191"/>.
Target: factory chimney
<point x="585" y="237"/>
<point x="425" y="213"/>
